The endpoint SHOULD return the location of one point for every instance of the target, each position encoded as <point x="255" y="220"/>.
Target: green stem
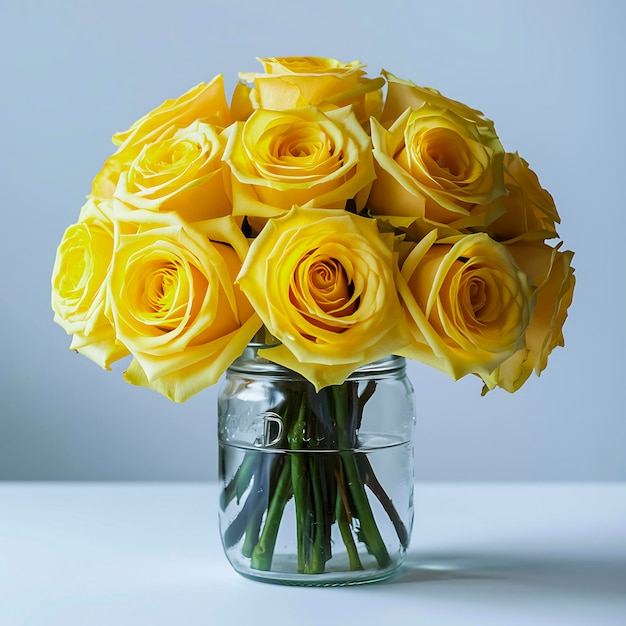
<point x="368" y="530"/>
<point x="343" y="521"/>
<point x="240" y="481"/>
<point x="304" y="529"/>
<point x="367" y="471"/>
<point x="255" y="502"/>
<point x="318" y="560"/>
<point x="264" y="550"/>
<point x="237" y="527"/>
<point x="252" y="529"/>
<point x="368" y="392"/>
<point x="300" y="487"/>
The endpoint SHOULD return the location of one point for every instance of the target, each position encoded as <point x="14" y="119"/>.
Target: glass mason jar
<point x="316" y="487"/>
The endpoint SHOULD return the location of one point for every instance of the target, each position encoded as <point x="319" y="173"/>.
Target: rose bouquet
<point x="336" y="219"/>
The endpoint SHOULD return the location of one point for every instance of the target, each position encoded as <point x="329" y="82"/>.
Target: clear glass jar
<point x="317" y="488"/>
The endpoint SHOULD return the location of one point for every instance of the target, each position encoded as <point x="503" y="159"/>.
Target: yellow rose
<point x="79" y="282"/>
<point x="205" y="102"/>
<point x="172" y="298"/>
<point x="294" y="82"/>
<point x="304" y="157"/>
<point x="553" y="274"/>
<point x="182" y="173"/>
<point x="439" y="166"/>
<point x="530" y="210"/>
<point x="323" y="284"/>
<point x="467" y="304"/>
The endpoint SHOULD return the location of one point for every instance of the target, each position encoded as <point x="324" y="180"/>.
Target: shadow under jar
<point x="316" y="487"/>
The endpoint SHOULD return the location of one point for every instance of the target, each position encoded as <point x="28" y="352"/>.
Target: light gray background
<point x="549" y="73"/>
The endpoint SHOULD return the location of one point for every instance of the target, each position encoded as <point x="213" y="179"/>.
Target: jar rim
<point x="251" y="362"/>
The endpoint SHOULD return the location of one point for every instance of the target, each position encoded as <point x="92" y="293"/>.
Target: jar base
<point x="327" y="579"/>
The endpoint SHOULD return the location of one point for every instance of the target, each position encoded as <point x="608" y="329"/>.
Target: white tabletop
<point x="93" y="554"/>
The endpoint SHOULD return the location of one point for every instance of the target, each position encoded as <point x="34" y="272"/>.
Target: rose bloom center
<point x="323" y="292"/>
